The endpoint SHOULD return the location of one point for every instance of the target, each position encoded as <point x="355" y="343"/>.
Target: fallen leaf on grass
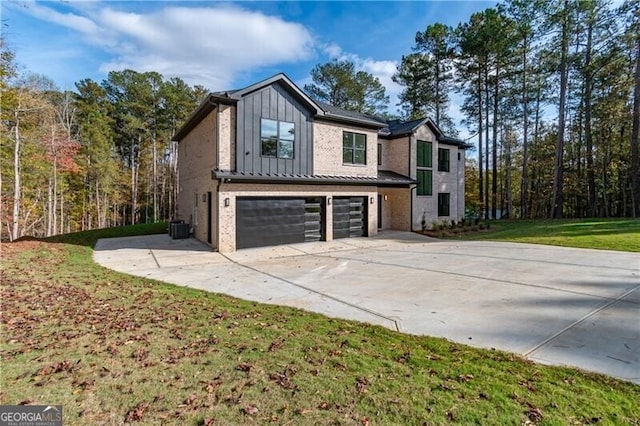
<point x="283" y="380"/>
<point x="56" y="368"/>
<point x="361" y="384"/>
<point x="190" y="400"/>
<point x="250" y="410"/>
<point x="136" y="413"/>
<point x="534" y="414"/>
<point x="140" y="354"/>
<point x="530" y="386"/>
<point x="245" y="366"/>
<point x="276" y="344"/>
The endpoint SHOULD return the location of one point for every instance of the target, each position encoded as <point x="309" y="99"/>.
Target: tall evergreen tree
<point x="339" y="84"/>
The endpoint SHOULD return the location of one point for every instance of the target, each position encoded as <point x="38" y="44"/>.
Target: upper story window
<point x="443" y="160"/>
<point x="277" y="138"/>
<point x="354" y="148"/>
<point x="425" y="155"/>
<point x="424" y="172"/>
<point x="379" y="154"/>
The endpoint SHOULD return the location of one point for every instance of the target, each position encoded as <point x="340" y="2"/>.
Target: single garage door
<point x="270" y="221"/>
<point x="349" y="217"/>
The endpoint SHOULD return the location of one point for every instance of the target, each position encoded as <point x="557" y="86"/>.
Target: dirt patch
<point x="22" y="244"/>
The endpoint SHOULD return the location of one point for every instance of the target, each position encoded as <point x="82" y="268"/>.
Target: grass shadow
<point x="90" y="238"/>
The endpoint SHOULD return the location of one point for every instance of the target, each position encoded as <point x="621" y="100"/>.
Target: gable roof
<point x="319" y="109"/>
<point x="283" y="80"/>
<point x="341" y="114"/>
<point x="208" y="104"/>
<point x="398" y="128"/>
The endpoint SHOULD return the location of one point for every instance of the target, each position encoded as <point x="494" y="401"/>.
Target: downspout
<point x="411" y="140"/>
<point x="217" y="230"/>
<point x="216" y="166"/>
<point x="411" y="214"/>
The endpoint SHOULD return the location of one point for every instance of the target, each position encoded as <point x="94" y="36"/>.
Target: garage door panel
<point x="349" y="217"/>
<point x="272" y="221"/>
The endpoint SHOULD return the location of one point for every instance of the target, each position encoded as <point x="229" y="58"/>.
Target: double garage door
<point x="268" y="221"/>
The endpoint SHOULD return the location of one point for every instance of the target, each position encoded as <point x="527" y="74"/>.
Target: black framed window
<point x="424" y="172"/>
<point x="443" y="160"/>
<point x="354" y="148"/>
<point x="277" y="138"/>
<point x="443" y="204"/>
<point x="425" y="154"/>
<point x="425" y="182"/>
<point x="379" y="154"/>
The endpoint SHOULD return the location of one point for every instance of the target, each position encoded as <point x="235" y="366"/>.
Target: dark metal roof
<point x="455" y="141"/>
<point x="384" y="178"/>
<point x="206" y="106"/>
<point x="400" y="128"/>
<point x="342" y="114"/>
<point x="389" y="178"/>
<point x="241" y="177"/>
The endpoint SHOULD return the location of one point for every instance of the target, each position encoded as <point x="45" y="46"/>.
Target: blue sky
<point x="220" y="45"/>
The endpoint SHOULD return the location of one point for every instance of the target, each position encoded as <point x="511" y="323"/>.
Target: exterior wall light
<point x="227" y="202"/>
<point x="371" y="200"/>
<point x="328" y="201"/>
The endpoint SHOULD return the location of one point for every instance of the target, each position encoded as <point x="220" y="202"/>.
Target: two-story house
<point x="268" y="165"/>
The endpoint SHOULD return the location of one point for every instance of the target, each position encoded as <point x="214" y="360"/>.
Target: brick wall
<point x="327" y="151"/>
<point x="196" y="159"/>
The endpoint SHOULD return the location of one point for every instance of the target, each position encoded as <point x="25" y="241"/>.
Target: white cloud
<point x="202" y="45"/>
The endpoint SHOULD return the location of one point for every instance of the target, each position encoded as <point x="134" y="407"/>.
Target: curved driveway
<point x="554" y="305"/>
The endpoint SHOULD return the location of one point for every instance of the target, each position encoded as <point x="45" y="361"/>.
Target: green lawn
<point x="607" y="234"/>
<point x="113" y="349"/>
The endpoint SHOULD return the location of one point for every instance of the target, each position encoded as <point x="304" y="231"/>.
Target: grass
<point x="606" y="234"/>
<point x="89" y="238"/>
<point x="113" y="349"/>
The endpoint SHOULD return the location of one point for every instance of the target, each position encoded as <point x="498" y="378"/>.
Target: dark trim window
<point x="443" y="204"/>
<point x="277" y="138"/>
<point x="443" y="160"/>
<point x="425" y="182"/>
<point x="425" y="154"/>
<point x="354" y="148"/>
<point x="424" y="172"/>
<point x="379" y="154"/>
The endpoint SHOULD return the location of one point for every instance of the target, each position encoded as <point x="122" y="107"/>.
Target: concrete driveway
<point x="553" y="305"/>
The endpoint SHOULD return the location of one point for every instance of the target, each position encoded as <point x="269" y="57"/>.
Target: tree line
<point x="97" y="157"/>
<point x="550" y="89"/>
<point x="551" y="93"/>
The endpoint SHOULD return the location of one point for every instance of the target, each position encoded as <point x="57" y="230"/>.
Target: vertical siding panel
<point x="255" y="134"/>
<point x="286" y="166"/>
<point x="276" y="103"/>
<point x="309" y="144"/>
<point x="273" y="114"/>
<point x="240" y="136"/>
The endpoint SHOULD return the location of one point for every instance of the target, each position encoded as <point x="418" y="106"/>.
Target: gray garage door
<point x="271" y="221"/>
<point x="349" y="217"/>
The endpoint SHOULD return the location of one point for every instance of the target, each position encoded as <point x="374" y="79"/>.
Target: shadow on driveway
<point x="554" y="305"/>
